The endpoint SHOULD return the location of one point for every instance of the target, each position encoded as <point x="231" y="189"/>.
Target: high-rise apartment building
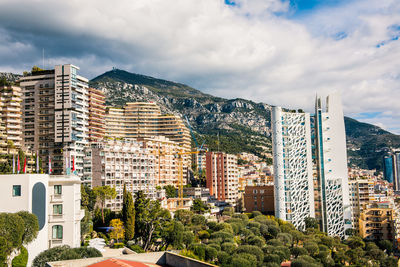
<point x="55" y="116"/>
<point x="170" y="163"/>
<point x="115" y="163"/>
<point x="144" y="120"/>
<point x="331" y="159"/>
<point x="10" y="102"/>
<point x="292" y="155"/>
<point x="293" y="166"/>
<point x="222" y="176"/>
<point x="97" y="112"/>
<point x="3" y="141"/>
<point x="361" y="195"/>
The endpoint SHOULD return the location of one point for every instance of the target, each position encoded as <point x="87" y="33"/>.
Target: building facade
<point x="116" y="163"/>
<point x="331" y="162"/>
<point x="145" y="120"/>
<point x="294" y="196"/>
<point x="97" y="112"/>
<point x="55" y="117"/>
<point x="55" y="200"/>
<point x="361" y="195"/>
<point x="313" y="161"/>
<point x="222" y="176"/>
<point x="11" y="113"/>
<point x="259" y="198"/>
<point x="377" y="222"/>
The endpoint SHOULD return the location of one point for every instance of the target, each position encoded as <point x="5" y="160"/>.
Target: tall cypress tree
<point x="128" y="214"/>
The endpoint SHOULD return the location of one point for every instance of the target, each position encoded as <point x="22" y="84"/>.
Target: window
<point x="57" y="209"/>
<point x="57" y="232"/>
<point x="16" y="191"/>
<point x="57" y="190"/>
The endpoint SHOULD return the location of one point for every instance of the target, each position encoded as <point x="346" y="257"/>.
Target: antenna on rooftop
<point x="42" y="58"/>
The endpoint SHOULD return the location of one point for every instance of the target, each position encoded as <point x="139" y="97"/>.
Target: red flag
<point x="18" y="167"/>
<point x="73" y="163"/>
<point x="25" y="166"/>
<point x="50" y="169"/>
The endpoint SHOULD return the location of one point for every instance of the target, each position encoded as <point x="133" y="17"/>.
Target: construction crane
<point x="198" y="148"/>
<point x="178" y="155"/>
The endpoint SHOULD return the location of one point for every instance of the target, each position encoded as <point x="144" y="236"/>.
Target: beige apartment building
<point x="115" y="163"/>
<point x="169" y="160"/>
<point x="97" y="112"/>
<point x="10" y="102"/>
<point x="361" y="195"/>
<point x="144" y="120"/>
<point x="222" y="176"/>
<point x="3" y="141"/>
<point x="55" y="116"/>
<point x="377" y="222"/>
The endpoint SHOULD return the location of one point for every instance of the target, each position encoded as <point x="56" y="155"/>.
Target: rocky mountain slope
<point x="233" y="125"/>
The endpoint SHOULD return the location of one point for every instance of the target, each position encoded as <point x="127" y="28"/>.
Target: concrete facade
<point x="55" y="116"/>
<point x="222" y="176"/>
<point x="37" y="196"/>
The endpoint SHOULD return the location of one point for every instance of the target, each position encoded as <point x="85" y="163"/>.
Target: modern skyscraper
<point x="55" y="116"/>
<point x="388" y="168"/>
<point x="294" y="196"/>
<point x="331" y="160"/>
<point x="293" y="164"/>
<point x="396" y="173"/>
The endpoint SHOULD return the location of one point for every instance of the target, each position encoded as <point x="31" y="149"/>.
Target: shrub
<point x="137" y="249"/>
<point x="228" y="247"/>
<point x="118" y="245"/>
<point x="199" y="250"/>
<point x="223" y="257"/>
<point x="22" y="259"/>
<point x="64" y="253"/>
<point x="210" y="253"/>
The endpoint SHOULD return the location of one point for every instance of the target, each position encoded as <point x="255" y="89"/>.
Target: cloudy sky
<point x="279" y="52"/>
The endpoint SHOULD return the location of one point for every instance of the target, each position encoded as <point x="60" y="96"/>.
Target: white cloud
<point x="241" y="51"/>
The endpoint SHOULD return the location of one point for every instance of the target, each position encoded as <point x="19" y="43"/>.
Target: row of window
<point x="16" y="190"/>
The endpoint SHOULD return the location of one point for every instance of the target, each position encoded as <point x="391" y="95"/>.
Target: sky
<point x="278" y="52"/>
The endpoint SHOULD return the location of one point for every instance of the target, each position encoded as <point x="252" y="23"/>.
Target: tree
<point x="21" y="259"/>
<point x="170" y="191"/>
<point x="311" y="222"/>
<point x="86" y="224"/>
<point x="118" y="230"/>
<point x="31" y="226"/>
<point x="187" y="238"/>
<point x="386" y="245"/>
<point x="88" y="197"/>
<point x="128" y="214"/>
<point x="104" y="193"/>
<point x="184" y="216"/>
<point x="11" y="233"/>
<point x="199" y="207"/>
<point x="175" y="234"/>
<point x="149" y="217"/>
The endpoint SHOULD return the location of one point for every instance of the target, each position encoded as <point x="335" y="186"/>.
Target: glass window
<point x="57" y="232"/>
<point x="57" y="189"/>
<point x="16" y="191"/>
<point x="57" y="209"/>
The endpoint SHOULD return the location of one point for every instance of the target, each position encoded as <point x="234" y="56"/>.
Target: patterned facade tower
<point x="331" y="160"/>
<point x="294" y="195"/>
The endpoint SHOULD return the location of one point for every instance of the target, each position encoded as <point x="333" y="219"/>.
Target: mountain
<point x="233" y="125"/>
